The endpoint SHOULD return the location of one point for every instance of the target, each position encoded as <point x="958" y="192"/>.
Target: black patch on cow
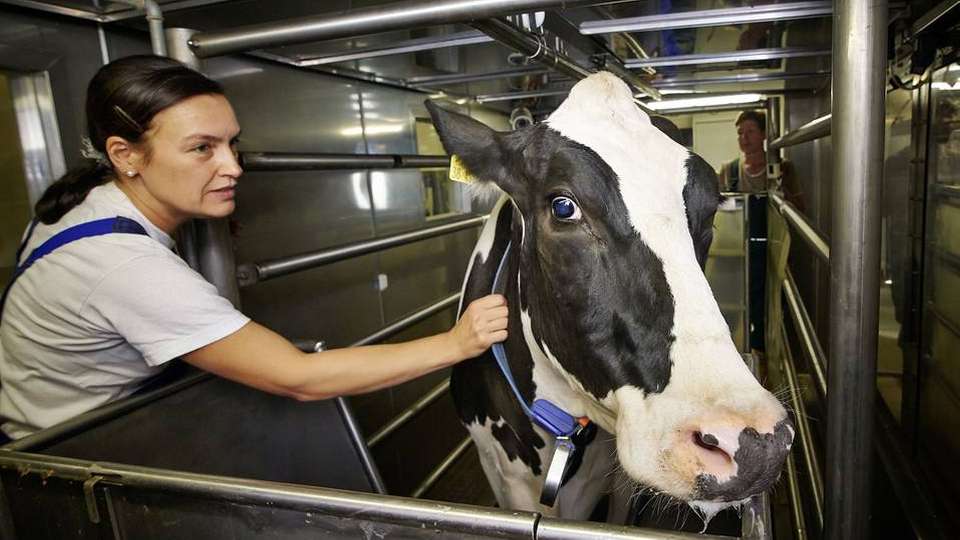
<point x="759" y="460"/>
<point x="701" y="196"/>
<point x="479" y="389"/>
<point x="597" y="295"/>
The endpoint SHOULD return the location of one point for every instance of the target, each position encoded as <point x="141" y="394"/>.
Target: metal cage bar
<point x="801" y="225"/>
<point x="276" y="161"/>
<point x="409" y="413"/>
<point x="814" y="129"/>
<point x="859" y="63"/>
<point x="252" y="273"/>
<point x="371" y="20"/>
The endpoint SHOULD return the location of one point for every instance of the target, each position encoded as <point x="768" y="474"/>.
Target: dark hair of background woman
<point x="757" y="117"/>
<point x="122" y="99"/>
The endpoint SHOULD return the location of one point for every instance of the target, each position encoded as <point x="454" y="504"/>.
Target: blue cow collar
<point x="572" y="434"/>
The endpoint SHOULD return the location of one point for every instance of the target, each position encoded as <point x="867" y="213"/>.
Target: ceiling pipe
<point x="371" y="20"/>
<point x="158" y="41"/>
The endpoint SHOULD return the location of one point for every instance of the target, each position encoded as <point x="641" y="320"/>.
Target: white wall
<point x="715" y="137"/>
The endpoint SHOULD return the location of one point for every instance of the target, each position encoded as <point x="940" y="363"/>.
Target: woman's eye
<point x="565" y="209"/>
<point x="203" y="148"/>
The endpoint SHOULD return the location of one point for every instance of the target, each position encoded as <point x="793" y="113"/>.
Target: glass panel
<point x="726" y="265"/>
<point x="896" y="242"/>
<point x="939" y="385"/>
<point x="14" y="199"/>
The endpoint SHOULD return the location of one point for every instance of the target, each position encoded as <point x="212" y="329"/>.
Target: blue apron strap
<point x="98" y="227"/>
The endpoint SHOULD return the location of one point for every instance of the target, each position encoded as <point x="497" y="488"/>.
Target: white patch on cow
<point x="484" y="245"/>
<point x="513" y="484"/>
<point x="709" y="382"/>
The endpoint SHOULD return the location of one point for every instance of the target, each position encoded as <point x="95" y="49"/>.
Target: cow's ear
<point x="701" y="196"/>
<point x="479" y="149"/>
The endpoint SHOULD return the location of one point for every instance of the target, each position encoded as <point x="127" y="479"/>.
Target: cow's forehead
<point x="600" y="114"/>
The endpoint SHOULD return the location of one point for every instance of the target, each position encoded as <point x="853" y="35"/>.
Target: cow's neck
<point x="535" y="367"/>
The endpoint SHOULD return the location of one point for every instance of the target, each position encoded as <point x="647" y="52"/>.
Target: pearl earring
<point x="131" y="174"/>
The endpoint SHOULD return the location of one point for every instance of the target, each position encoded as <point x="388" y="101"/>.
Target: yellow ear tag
<point x="459" y="172"/>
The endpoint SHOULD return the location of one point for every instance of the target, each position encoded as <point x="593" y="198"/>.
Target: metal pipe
<point x="549" y="528"/>
<point x="796" y="503"/>
<point x="814" y="129"/>
<point x="802" y="422"/>
<point x="371" y="20"/>
<point x="154" y="15"/>
<point x="356" y="435"/>
<point x="429" y="43"/>
<point x="509" y="96"/>
<point x="534" y="46"/>
<point x="457" y="78"/>
<point x="677" y="82"/>
<point x="274" y="161"/>
<point x="444" y="465"/>
<point x="802" y="226"/>
<point x="725" y="57"/>
<point x="859" y="63"/>
<point x="710" y="17"/>
<point x="252" y="273"/>
<point x="931" y="17"/>
<point x="808" y="336"/>
<point x="408" y="321"/>
<point x="450" y="517"/>
<point x="409" y="413"/>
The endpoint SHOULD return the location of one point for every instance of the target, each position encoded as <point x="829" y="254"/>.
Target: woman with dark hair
<point x="99" y="302"/>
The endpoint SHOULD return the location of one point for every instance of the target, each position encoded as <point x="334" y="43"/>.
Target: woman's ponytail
<point x="70" y="190"/>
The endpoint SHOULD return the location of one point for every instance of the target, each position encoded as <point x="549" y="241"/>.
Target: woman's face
<point x="192" y="167"/>
<point x="750" y="137"/>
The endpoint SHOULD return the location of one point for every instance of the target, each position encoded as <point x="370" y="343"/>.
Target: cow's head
<point x="616" y="220"/>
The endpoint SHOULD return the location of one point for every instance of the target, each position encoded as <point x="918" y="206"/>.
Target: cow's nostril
<point x="710" y="443"/>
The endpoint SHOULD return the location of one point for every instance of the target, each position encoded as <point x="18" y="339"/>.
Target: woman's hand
<point x="483" y="323"/>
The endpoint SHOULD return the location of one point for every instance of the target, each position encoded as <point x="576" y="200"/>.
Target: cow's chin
<point x="659" y="446"/>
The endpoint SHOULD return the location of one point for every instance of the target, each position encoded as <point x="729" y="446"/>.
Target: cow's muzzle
<point x="737" y="466"/>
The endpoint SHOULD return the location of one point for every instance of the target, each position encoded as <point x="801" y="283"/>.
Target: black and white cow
<point x="611" y="316"/>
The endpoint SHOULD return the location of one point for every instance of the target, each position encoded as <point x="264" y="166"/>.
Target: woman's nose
<point x="231" y="165"/>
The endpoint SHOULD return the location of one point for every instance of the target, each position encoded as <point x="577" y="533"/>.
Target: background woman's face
<point x="750" y="137"/>
<point x="192" y="169"/>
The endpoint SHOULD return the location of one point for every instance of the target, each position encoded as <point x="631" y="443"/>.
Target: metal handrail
<point x="814" y="129"/>
<point x="800" y="224"/>
<point x="355" y="22"/>
<point x="252" y="273"/>
<point x="796" y="504"/>
<point x="814" y="474"/>
<point x="277" y="161"/>
<point x="808" y="335"/>
<point x="709" y="17"/>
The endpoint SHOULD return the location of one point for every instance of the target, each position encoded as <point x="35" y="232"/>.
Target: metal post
<point x="213" y="243"/>
<point x="859" y="67"/>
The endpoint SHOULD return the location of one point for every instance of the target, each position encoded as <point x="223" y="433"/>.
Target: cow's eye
<point x="565" y="209"/>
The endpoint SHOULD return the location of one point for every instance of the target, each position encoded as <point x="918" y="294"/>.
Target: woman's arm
<point x="258" y="357"/>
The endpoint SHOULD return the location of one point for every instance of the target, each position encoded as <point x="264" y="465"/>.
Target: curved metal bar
<point x="814" y="129"/>
<point x="408" y="414"/>
<point x="252" y="273"/>
<point x="366" y="458"/>
<point x="802" y="226"/>
<point x="532" y="46"/>
<point x="436" y="473"/>
<point x="276" y="161"/>
<point x="804" y="326"/>
<point x="796" y="503"/>
<point x="815" y="476"/>
<point x="355" y="22"/>
<point x="408" y="321"/>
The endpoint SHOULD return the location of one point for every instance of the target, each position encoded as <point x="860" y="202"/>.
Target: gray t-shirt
<point x="90" y="322"/>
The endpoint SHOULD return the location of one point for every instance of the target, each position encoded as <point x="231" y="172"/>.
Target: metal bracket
<point x="91" y="498"/>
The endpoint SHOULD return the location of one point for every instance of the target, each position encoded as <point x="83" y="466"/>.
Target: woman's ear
<point x="123" y="155"/>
